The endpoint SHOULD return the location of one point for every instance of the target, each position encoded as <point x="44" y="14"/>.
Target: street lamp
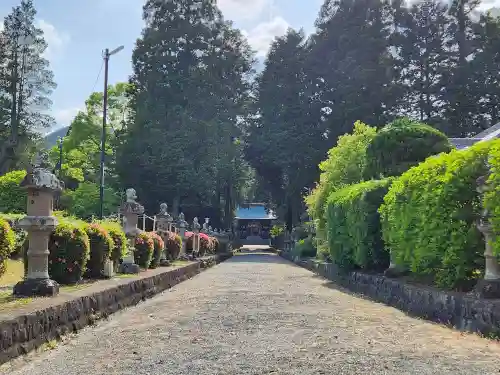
<point x="59" y="164"/>
<point x="107" y="55"/>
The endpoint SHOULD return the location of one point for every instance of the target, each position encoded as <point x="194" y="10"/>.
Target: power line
<point x="98" y="76"/>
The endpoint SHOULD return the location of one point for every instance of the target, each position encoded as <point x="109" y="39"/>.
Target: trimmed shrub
<point x="305" y="248"/>
<point x="21" y="234"/>
<point x="159" y="246"/>
<point x="401" y="145"/>
<point x="101" y="246"/>
<point x="216" y="245"/>
<point x="354" y="231"/>
<point x="116" y="232"/>
<point x="7" y="244"/>
<point x="173" y="245"/>
<point x="144" y="248"/>
<point x="13" y="198"/>
<point x="344" y="166"/>
<point x="69" y="247"/>
<point x="429" y="218"/>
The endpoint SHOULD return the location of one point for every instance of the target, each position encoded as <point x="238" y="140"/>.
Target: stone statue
<point x="131" y="195"/>
<point x="181" y="217"/>
<point x="210" y="229"/>
<point x="195" y="222"/>
<point x="163" y="209"/>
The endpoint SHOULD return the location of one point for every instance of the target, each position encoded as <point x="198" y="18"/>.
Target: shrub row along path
<point x="259" y="314"/>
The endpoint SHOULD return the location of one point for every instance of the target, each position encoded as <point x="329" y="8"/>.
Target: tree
<point x="286" y="140"/>
<point x="82" y="145"/>
<point x="422" y="59"/>
<point x="190" y="84"/>
<point x="27" y="82"/>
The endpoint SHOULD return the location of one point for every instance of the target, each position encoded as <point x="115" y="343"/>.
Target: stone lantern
<point x="489" y="287"/>
<point x="182" y="232"/>
<point x="41" y="186"/>
<point x="196" y="237"/>
<point x="164" y="224"/>
<point x="130" y="210"/>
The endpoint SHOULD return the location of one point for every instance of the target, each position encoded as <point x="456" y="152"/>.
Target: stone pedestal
<point x="182" y="232"/>
<point x="489" y="287"/>
<point x="196" y="237"/>
<point x="130" y="211"/>
<point x="164" y="224"/>
<point x="41" y="185"/>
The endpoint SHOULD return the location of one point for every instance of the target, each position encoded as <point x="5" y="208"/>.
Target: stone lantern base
<point x="129" y="268"/>
<point x="489" y="289"/>
<point x="36" y="288"/>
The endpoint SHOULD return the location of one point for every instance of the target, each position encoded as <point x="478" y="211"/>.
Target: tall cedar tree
<point x="190" y="80"/>
<point x="26" y="82"/>
<point x="287" y="140"/>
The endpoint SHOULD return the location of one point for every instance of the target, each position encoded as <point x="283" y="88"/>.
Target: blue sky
<point x="78" y="30"/>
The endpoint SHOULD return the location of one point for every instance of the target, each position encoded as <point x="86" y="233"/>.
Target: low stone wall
<point x="26" y="331"/>
<point x="461" y="311"/>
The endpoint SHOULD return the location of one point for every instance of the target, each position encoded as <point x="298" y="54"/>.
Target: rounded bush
<point x="7" y="244"/>
<point x="429" y="218"/>
<point x="116" y="232"/>
<point x="216" y="245"/>
<point x="305" y="248"/>
<point x="69" y="247"/>
<point x="21" y="234"/>
<point x="101" y="246"/>
<point x="173" y="245"/>
<point x="13" y="198"/>
<point x="401" y="145"/>
<point x="144" y="248"/>
<point x="159" y="246"/>
<point x="354" y="230"/>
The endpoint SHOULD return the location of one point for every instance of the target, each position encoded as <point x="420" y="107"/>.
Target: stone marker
<point x="196" y="237"/>
<point x="164" y="225"/>
<point x="182" y="232"/>
<point x="489" y="287"/>
<point x="41" y="185"/>
<point x="130" y="210"/>
<point x="205" y="225"/>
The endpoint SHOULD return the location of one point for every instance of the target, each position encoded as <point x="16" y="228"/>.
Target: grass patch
<point x="8" y="301"/>
<point x="14" y="273"/>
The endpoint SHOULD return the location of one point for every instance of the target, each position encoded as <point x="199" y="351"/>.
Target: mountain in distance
<point x="51" y="138"/>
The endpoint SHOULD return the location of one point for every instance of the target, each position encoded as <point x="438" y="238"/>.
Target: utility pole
<point x="106" y="57"/>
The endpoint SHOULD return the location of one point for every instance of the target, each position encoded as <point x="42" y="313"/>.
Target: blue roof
<point x="254" y="212"/>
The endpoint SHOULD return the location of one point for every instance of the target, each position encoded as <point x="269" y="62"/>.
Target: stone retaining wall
<point x="27" y="331"/>
<point x="459" y="310"/>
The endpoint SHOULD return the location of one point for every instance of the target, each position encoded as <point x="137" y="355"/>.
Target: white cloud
<point x="262" y="35"/>
<point x="237" y="10"/>
<point x="55" y="39"/>
<point x="64" y="116"/>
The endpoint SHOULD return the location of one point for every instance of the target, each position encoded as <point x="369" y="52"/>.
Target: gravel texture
<point x="259" y="314"/>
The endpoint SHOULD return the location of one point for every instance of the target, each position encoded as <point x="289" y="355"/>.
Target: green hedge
<point x="173" y="245"/>
<point x="7" y="244"/>
<point x="305" y="248"/>
<point x="429" y="217"/>
<point x="401" y="145"/>
<point x="353" y="222"/>
<point x="144" y="248"/>
<point x="115" y="230"/>
<point x="69" y="248"/>
<point x="13" y="198"/>
<point x="159" y="246"/>
<point x="21" y="234"/>
<point x="101" y="247"/>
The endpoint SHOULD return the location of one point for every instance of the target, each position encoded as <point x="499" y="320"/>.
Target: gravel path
<point x="258" y="314"/>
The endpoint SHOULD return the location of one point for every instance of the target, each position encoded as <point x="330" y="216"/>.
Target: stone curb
<point x="27" y="332"/>
<point x="460" y="311"/>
